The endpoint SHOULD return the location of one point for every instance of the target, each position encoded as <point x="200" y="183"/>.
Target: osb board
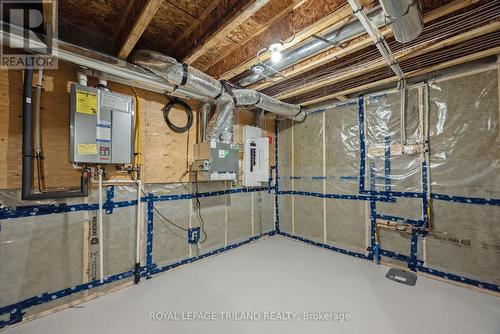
<point x="193" y="7"/>
<point x="282" y="29"/>
<point x="168" y="23"/>
<point x="272" y="11"/>
<point x="164" y="151"/>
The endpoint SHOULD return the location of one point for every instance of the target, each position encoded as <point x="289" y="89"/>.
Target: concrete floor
<point x="280" y="275"/>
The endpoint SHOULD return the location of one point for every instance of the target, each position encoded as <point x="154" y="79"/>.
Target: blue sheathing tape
<point x="466" y="200"/>
<point x="397" y="256"/>
<point x="149" y="231"/>
<point x="412" y="263"/>
<point x="335" y="196"/>
<point x="387" y="164"/>
<point x="457" y="278"/>
<point x="425" y="198"/>
<point x="362" y="145"/>
<point x="211" y="253"/>
<point x="16" y="310"/>
<point x="110" y="194"/>
<point x="322" y="245"/>
<point x="276" y="184"/>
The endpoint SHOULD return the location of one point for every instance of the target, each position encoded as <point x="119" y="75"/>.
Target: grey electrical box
<point x="216" y="161"/>
<point x="101" y="126"/>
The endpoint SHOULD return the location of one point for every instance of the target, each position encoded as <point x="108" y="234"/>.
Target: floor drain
<point x="402" y="276"/>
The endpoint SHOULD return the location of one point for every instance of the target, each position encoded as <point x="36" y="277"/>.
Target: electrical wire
<point x="198" y="213"/>
<point x="164" y="219"/>
<point x="187" y="109"/>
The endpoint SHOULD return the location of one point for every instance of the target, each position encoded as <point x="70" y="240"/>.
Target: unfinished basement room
<point x="250" y="166"/>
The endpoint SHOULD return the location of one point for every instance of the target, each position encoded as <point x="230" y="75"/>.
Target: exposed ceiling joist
<point x="418" y="50"/>
<point x="335" y="53"/>
<point x="309" y="19"/>
<point x="287" y="6"/>
<point x="416" y="73"/>
<point x="140" y="14"/>
<point x="239" y="13"/>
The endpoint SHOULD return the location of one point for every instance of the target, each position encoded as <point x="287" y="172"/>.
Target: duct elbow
<point x="406" y="16"/>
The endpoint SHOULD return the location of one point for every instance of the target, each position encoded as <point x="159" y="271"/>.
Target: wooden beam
<point x="239" y="13"/>
<point x="416" y="73"/>
<point x="139" y="16"/>
<point x="309" y="19"/>
<point x="417" y="50"/>
<point x="49" y="16"/>
<point x="196" y="23"/>
<point x="335" y="53"/>
<point x="288" y="5"/>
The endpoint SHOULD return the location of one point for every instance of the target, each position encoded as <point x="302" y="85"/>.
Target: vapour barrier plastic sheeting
<point x="464" y="158"/>
<point x="33" y="249"/>
<point x="465" y="155"/>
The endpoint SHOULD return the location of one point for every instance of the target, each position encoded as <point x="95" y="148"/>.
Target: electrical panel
<point x="216" y="161"/>
<point x="255" y="157"/>
<point x="101" y="126"/>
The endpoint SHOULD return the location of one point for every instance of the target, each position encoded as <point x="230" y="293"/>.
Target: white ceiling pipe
<point x="406" y="16"/>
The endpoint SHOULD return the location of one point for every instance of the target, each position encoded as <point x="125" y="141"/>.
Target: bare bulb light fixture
<point x="275" y="49"/>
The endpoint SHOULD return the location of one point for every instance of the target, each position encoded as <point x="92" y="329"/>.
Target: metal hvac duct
<point x="406" y="16"/>
<point x="220" y="128"/>
<point x="312" y="46"/>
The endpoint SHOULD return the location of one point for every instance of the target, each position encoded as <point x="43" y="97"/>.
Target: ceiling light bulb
<point x="276" y="56"/>
<point x="275" y="49"/>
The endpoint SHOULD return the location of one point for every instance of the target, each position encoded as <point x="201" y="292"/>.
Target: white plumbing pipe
<point x="99" y="226"/>
<point x="82" y="78"/>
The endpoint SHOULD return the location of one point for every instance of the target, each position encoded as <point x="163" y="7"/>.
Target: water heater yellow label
<point x="86" y="149"/>
<point x="86" y="103"/>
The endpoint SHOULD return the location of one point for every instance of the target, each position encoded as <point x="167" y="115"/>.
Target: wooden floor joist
<point x="247" y="61"/>
<point x="139" y="16"/>
<point x="241" y="14"/>
<point x="289" y="5"/>
<point x="335" y="53"/>
<point x="418" y="50"/>
<point x="412" y="74"/>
